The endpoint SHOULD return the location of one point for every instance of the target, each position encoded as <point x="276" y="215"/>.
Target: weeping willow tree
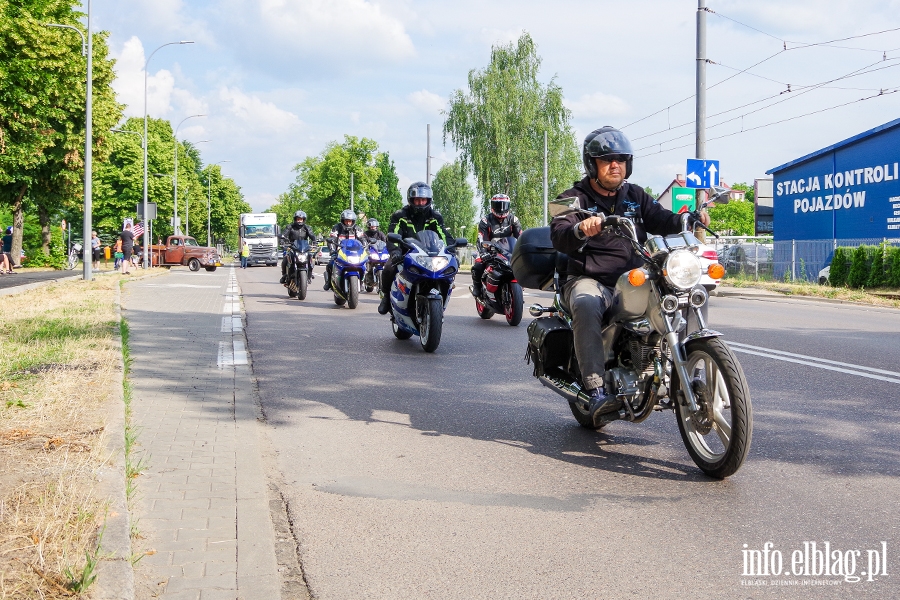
<point x="498" y="126"/>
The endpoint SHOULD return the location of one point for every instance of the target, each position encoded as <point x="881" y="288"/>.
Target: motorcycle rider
<point x="344" y="229"/>
<point x="500" y="223"/>
<point x="597" y="257"/>
<point x="418" y="215"/>
<point x="298" y="230"/>
<point x="372" y="233"/>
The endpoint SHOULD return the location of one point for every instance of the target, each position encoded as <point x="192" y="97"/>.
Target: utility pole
<point x="545" y="178"/>
<point x="428" y="153"/>
<point x="351" y="192"/>
<point x="700" y="150"/>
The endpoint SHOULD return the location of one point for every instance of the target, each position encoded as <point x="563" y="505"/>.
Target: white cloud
<point x="262" y="116"/>
<point x="129" y="83"/>
<point x="428" y="102"/>
<point x="597" y="104"/>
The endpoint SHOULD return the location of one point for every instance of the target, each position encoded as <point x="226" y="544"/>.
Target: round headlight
<point x="682" y="269"/>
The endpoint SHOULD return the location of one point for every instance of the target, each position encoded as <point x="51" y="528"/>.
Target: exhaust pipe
<point x="570" y="391"/>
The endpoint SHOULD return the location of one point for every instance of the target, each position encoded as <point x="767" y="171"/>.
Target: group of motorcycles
<point x="660" y="353"/>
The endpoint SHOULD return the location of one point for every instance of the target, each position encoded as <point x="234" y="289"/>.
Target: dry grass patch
<point x="879" y="298"/>
<point x="59" y="364"/>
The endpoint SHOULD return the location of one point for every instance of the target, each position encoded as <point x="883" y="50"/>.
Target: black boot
<point x="385" y="306"/>
<point x="601" y="404"/>
<point x="477" y="289"/>
<point x="283" y="278"/>
<point x="327" y="285"/>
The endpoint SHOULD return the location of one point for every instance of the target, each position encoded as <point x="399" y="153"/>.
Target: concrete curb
<point x="758" y="294"/>
<point x="18" y="289"/>
<point x="115" y="574"/>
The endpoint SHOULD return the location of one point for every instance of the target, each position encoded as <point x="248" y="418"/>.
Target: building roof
<point x="849" y="141"/>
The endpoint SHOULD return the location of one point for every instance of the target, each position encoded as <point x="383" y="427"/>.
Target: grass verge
<point x="59" y="364"/>
<point x="878" y="298"/>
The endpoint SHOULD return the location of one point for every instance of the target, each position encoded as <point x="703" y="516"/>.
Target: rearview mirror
<point x="461" y="242"/>
<point x="395" y="237"/>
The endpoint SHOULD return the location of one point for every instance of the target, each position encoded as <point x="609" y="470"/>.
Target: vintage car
<point x="184" y="250"/>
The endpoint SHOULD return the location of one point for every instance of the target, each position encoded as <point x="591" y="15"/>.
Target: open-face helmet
<point x="348" y="218"/>
<point x="500" y="206"/>
<point x="607" y="143"/>
<point x="419" y="196"/>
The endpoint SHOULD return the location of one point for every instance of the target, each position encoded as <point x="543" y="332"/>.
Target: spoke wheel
<point x="431" y="324"/>
<point x="512" y="303"/>
<point x="718" y="436"/>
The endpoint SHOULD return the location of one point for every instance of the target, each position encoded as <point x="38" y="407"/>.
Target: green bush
<point x="876" y="272"/>
<point x="859" y="268"/>
<point x="35" y="257"/>
<point x="837" y="275"/>
<point x="893" y="267"/>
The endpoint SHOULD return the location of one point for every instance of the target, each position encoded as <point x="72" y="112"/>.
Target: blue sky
<point x="279" y="79"/>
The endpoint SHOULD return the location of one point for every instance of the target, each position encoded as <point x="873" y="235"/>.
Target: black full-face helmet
<point x="415" y="193"/>
<point x="372" y="224"/>
<point x="299" y="217"/>
<point x="606" y="142"/>
<point x="348" y="218"/>
<point x="500" y="206"/>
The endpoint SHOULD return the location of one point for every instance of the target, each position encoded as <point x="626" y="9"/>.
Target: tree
<point x="453" y="198"/>
<point x="649" y="191"/>
<point x="322" y="185"/>
<point x="226" y="203"/>
<point x="748" y="190"/>
<point x="735" y="218"/>
<point x="498" y="125"/>
<point x="389" y="197"/>
<point x="42" y="99"/>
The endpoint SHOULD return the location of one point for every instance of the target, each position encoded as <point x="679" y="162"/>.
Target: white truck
<point x="260" y="231"/>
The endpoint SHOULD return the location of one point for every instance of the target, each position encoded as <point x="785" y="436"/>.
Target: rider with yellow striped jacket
<point x="418" y="215"/>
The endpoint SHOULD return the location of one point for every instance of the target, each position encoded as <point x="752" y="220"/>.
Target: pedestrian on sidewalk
<point x="127" y="238"/>
<point x="245" y="253"/>
<point x="95" y="250"/>
<point x="117" y="254"/>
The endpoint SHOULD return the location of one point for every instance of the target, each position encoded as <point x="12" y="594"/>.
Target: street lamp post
<point x="175" y="136"/>
<point x="146" y="64"/>
<point x="87" y="50"/>
<point x="209" y="200"/>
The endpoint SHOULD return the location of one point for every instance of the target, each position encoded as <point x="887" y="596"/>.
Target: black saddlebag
<point x="549" y="344"/>
<point x="534" y="259"/>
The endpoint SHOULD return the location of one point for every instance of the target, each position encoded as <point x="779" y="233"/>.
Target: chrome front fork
<point x="679" y="359"/>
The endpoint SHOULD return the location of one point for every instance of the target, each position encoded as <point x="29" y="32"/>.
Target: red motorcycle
<point x="500" y="292"/>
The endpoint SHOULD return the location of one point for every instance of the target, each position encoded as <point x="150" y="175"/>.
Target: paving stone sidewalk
<point x="201" y="508"/>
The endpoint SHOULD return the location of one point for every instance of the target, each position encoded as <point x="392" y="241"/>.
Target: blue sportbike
<point x="421" y="290"/>
<point x="347" y="271"/>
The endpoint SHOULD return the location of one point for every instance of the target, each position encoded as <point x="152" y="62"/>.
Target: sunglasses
<point x="619" y="158"/>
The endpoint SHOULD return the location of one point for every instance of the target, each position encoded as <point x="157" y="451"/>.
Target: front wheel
<point x="431" y="325"/>
<point x="301" y="284"/>
<point x="194" y="264"/>
<point x="512" y="303"/>
<point x="718" y="436"/>
<point x="210" y="269"/>
<point x="353" y="291"/>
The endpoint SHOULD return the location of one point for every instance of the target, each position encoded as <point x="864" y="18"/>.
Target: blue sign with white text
<point x="702" y="174"/>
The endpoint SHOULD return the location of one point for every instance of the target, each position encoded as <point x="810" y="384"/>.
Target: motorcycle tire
<point x="400" y="334"/>
<point x="513" y="303"/>
<point x="718" y="437"/>
<point x="302" y="283"/>
<point x="431" y="324"/>
<point x="482" y="309"/>
<point x="339" y="301"/>
<point x="369" y="287"/>
<point x="584" y="417"/>
<point x="353" y="291"/>
<point x="291" y="287"/>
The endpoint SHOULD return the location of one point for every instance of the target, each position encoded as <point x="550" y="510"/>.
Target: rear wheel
<point x="400" y="334"/>
<point x="483" y="311"/>
<point x="302" y="282"/>
<point x="584" y="417"/>
<point x="718" y="436"/>
<point x="431" y="324"/>
<point x="512" y="303"/>
<point x="353" y="291"/>
<point x="338" y="300"/>
<point x="194" y="264"/>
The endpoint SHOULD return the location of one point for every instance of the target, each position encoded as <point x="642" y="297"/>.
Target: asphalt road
<point x="457" y="475"/>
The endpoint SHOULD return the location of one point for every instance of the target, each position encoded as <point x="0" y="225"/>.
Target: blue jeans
<point x="244" y="262"/>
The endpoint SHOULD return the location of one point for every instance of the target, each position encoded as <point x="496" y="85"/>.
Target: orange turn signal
<point x="716" y="271"/>
<point x="637" y="277"/>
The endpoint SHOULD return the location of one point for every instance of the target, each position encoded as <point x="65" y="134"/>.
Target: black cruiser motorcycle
<point x="660" y="353"/>
<point x="500" y="292"/>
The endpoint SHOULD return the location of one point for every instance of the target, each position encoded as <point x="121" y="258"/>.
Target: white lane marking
<point x="179" y="285"/>
<point x="812" y="361"/>
<point x="226" y="355"/>
<point x="231" y="324"/>
<point x="240" y="353"/>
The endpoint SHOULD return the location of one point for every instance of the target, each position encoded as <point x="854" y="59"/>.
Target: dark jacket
<point x="605" y="256"/>
<point x="490" y="227"/>
<point x="377" y="236"/>
<point x="408" y="223"/>
<point x="295" y="232"/>
<point x="341" y="232"/>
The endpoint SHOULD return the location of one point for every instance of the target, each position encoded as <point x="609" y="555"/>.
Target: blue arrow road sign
<point x="702" y="173"/>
